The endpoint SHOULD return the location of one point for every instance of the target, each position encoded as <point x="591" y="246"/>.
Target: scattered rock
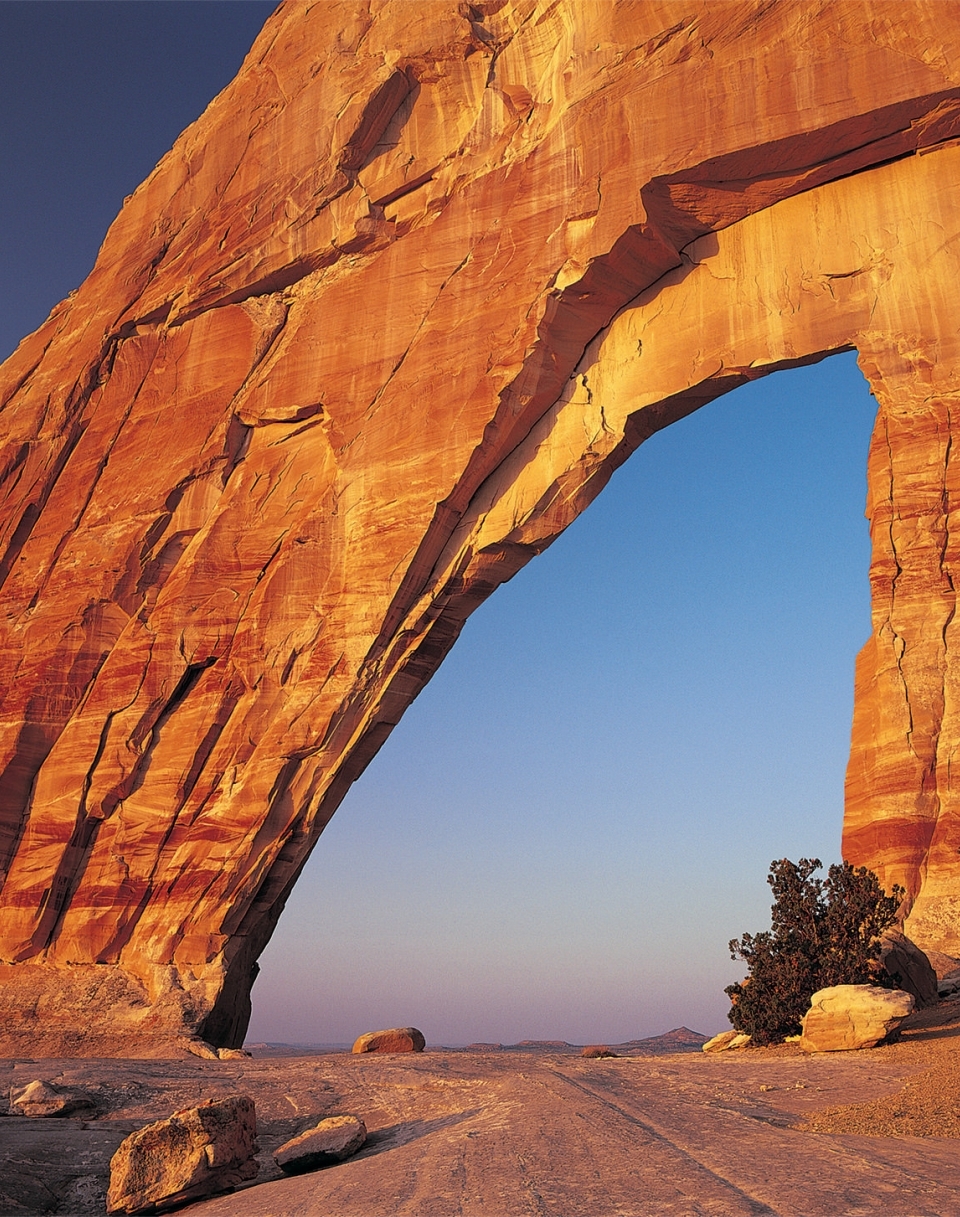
<point x="202" y="1049"/>
<point x="846" y="1017"/>
<point x="908" y="966"/>
<point x="331" y="1141"/>
<point x="597" y="1051"/>
<point x="196" y="1152"/>
<point x="39" y="1099"/>
<point x="397" y="1039"/>
<point x="233" y="1054"/>
<point x="726" y="1041"/>
<point x="949" y="987"/>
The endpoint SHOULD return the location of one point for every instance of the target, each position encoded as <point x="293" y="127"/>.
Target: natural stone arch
<point x="379" y="312"/>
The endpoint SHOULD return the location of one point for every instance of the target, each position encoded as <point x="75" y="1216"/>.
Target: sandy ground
<point x="546" y="1134"/>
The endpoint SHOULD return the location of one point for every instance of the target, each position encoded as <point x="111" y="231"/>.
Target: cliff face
<point x="374" y="332"/>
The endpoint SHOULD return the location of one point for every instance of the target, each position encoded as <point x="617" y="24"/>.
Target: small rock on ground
<point x="38" y="1100"/>
<point x="331" y="1141"/>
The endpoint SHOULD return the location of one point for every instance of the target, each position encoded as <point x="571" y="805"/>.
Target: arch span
<point x="372" y="334"/>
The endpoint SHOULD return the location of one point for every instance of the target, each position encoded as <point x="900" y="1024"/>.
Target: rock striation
<point x="381" y="324"/>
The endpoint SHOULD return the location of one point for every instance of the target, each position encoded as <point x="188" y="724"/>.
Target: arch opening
<point x="577" y="813"/>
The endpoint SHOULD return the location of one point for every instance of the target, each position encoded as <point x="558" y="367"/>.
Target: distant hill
<point x="681" y="1039"/>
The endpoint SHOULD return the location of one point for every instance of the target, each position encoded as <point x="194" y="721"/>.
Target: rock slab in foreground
<point x="196" y="1152"/>
<point x="847" y="1017"/>
<point x="331" y="1141"/>
<point x="397" y="1039"/>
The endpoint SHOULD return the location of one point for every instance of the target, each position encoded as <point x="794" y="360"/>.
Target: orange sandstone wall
<point x="370" y="336"/>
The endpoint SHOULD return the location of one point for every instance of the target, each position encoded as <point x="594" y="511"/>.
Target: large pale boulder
<point x="333" y="1140"/>
<point x="845" y="1017"/>
<point x="381" y="325"/>
<point x="196" y="1152"/>
<point x="397" y="1039"/>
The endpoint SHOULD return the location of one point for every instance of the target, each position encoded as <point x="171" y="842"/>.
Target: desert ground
<point x="505" y="1134"/>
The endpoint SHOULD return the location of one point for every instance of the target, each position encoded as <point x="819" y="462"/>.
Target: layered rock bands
<point x="380" y="325"/>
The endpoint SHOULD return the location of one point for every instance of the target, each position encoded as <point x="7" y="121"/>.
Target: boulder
<point x="726" y="1041"/>
<point x="397" y="1039"/>
<point x="331" y="1141"/>
<point x="196" y="1152"/>
<point x="949" y="987"/>
<point x="943" y="965"/>
<point x="200" y="1048"/>
<point x="846" y="1017"/>
<point x="908" y="966"/>
<point x="39" y="1099"/>
<point x="597" y="1051"/>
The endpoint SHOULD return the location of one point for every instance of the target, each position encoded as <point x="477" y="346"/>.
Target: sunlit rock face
<point x="380" y="325"/>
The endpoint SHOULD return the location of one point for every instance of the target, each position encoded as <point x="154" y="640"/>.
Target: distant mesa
<point x="249" y="497"/>
<point x="681" y="1039"/>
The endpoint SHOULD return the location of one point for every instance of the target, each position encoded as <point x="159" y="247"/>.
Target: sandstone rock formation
<point x="333" y="1140"/>
<point x="397" y="1039"/>
<point x="194" y="1153"/>
<point x="845" y="1017"/>
<point x="385" y="319"/>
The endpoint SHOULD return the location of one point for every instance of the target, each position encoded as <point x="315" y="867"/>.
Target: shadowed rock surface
<point x="380" y="325"/>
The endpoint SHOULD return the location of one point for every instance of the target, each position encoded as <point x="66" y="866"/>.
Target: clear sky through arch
<point x="576" y="816"/>
<point x="578" y="813"/>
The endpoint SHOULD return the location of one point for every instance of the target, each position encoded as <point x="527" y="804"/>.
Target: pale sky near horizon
<point x="578" y="813"/>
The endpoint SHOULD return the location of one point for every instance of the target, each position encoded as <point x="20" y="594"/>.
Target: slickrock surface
<point x="511" y="1134"/>
<point x="381" y="324"/>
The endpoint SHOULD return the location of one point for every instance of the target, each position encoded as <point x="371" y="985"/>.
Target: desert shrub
<point x="822" y="933"/>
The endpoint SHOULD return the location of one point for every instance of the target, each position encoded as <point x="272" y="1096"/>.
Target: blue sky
<point x="578" y="813"/>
